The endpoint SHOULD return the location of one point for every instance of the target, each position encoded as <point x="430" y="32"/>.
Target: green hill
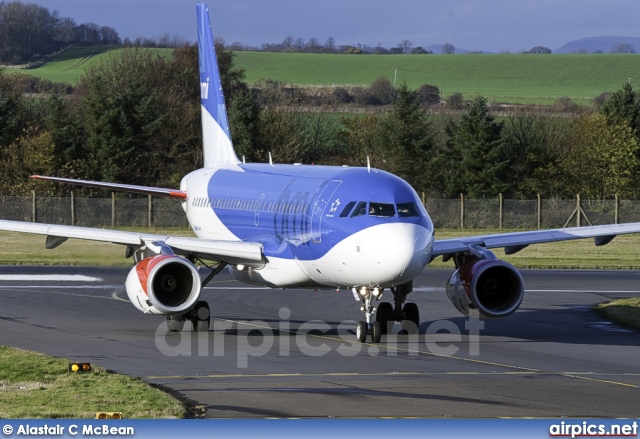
<point x="503" y="78"/>
<point x="71" y="64"/>
<point x="509" y="78"/>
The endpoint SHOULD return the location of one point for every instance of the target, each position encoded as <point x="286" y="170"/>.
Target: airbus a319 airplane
<point x="297" y="226"/>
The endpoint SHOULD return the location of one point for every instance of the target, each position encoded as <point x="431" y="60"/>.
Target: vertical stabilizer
<point x="218" y="148"/>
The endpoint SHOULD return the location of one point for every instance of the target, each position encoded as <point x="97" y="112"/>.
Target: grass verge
<point x="624" y="312"/>
<point x="34" y="385"/>
<point x="620" y="254"/>
<point x="28" y="249"/>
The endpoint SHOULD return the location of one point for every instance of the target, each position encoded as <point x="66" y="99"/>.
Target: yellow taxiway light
<point x="109" y="415"/>
<point x="79" y="367"/>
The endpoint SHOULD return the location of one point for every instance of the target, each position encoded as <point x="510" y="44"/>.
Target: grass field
<point x="508" y="78"/>
<point x="71" y="64"/>
<point x="34" y="385"/>
<point x="503" y="78"/>
<point x="622" y="253"/>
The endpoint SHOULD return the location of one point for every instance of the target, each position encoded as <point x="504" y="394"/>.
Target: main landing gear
<point x="406" y="313"/>
<point x="200" y="314"/>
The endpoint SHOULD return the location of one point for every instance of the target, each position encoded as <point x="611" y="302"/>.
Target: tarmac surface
<point x="292" y="353"/>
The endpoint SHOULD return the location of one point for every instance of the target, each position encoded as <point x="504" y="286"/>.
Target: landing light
<point x="79" y="367"/>
<point x="108" y="415"/>
<point x="363" y="291"/>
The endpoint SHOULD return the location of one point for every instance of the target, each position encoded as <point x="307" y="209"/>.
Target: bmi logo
<point x="204" y="89"/>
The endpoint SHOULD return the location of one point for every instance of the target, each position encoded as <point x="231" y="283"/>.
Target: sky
<point x="486" y="25"/>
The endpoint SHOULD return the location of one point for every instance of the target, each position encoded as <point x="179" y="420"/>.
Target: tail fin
<point x="218" y="148"/>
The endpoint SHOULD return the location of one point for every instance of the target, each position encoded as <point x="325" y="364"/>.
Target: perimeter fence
<point x="459" y="213"/>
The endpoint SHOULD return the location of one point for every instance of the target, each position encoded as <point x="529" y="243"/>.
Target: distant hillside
<point x="593" y="44"/>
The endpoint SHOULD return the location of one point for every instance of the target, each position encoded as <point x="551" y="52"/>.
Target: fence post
<point x="461" y="212"/>
<point x="150" y="214"/>
<point x="578" y="210"/>
<point x="113" y="210"/>
<point x="539" y="212"/>
<point x="501" y="205"/>
<point x="73" y="210"/>
<point x="615" y="211"/>
<point x="33" y="206"/>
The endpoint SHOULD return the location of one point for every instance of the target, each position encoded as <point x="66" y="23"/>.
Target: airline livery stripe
<point x="49" y="277"/>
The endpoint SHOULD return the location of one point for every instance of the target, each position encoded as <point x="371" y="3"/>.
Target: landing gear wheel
<point x="361" y="331"/>
<point x="411" y="321"/>
<point x="376" y="332"/>
<point x="175" y="323"/>
<point x="384" y="315"/>
<point x="202" y="317"/>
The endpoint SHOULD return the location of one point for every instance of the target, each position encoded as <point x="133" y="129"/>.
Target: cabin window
<point x="407" y="210"/>
<point x="360" y="210"/>
<point x="347" y="209"/>
<point x="382" y="209"/>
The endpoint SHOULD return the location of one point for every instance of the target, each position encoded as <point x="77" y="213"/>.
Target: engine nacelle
<point x="492" y="286"/>
<point x="163" y="284"/>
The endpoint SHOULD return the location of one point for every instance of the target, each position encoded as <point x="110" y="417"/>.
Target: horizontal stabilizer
<point x="145" y="190"/>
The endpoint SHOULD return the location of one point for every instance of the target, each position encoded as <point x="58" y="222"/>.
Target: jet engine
<point x="491" y="286"/>
<point x="164" y="284"/>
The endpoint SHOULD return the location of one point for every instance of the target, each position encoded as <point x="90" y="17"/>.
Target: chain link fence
<point x="462" y="213"/>
<point x="95" y="212"/>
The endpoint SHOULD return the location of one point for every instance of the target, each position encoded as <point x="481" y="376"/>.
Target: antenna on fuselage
<point x="270" y="160"/>
<point x="368" y="165"/>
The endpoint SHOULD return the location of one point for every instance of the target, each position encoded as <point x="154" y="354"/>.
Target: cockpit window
<point x="347" y="209"/>
<point x="407" y="209"/>
<point x="361" y="209"/>
<point x="381" y="209"/>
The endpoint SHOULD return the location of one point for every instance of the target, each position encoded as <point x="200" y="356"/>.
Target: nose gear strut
<point x="366" y="296"/>
<point x="406" y="313"/>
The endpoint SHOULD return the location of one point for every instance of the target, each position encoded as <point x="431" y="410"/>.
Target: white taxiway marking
<point x="49" y="277"/>
<point x="586" y="290"/>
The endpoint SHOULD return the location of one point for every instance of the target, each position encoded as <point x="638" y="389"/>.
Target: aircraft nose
<point x="392" y="253"/>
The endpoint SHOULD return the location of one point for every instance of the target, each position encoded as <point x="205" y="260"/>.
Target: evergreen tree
<point x="9" y="111"/>
<point x="477" y="139"/>
<point x="244" y="119"/>
<point x="407" y="134"/>
<point x="66" y="126"/>
<point x="623" y="107"/>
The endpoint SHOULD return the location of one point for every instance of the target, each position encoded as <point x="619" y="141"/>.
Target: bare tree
<point x="313" y="45"/>
<point x="448" y="49"/>
<point x="623" y="48"/>
<point x="406" y="46"/>
<point x="287" y="43"/>
<point x="299" y="44"/>
<point x="330" y="45"/>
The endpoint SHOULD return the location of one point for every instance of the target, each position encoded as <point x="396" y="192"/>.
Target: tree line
<point x="30" y="30"/>
<point x="135" y="118"/>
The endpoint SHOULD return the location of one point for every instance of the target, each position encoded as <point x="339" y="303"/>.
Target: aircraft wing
<point x="516" y="241"/>
<point x="233" y="252"/>
<point x="145" y="190"/>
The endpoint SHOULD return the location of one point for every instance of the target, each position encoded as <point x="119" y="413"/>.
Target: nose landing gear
<point x="386" y="314"/>
<point x="368" y="326"/>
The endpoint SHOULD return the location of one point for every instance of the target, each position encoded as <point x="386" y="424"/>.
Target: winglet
<point x="216" y="137"/>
